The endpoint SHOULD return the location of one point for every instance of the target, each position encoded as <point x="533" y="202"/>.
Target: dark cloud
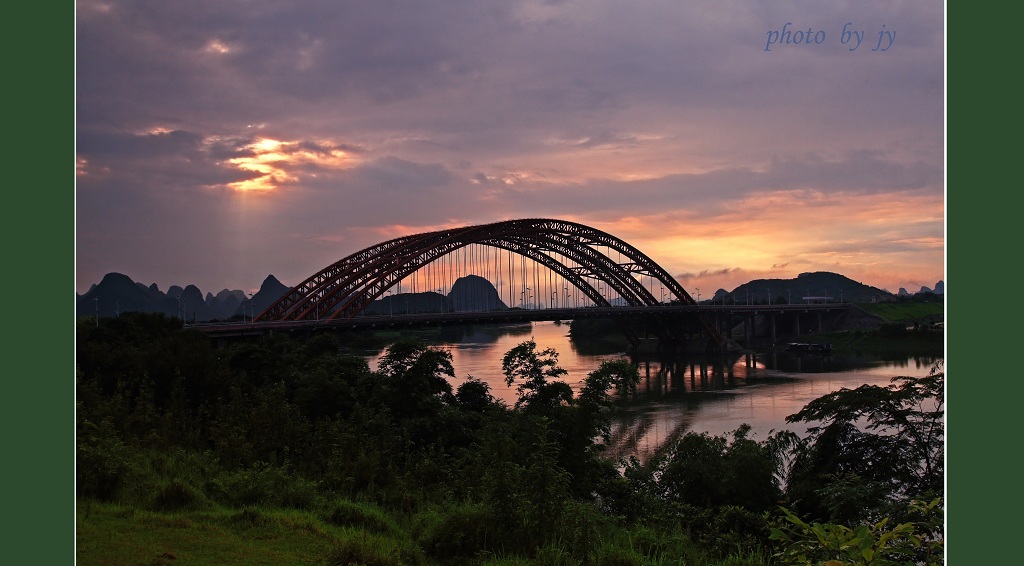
<point x="158" y="161"/>
<point x="708" y="273"/>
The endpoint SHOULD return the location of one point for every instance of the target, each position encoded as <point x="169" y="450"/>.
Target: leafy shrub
<point x="669" y="546"/>
<point x="459" y="531"/>
<point x="104" y="464"/>
<point x="265" y="484"/>
<point x="815" y="543"/>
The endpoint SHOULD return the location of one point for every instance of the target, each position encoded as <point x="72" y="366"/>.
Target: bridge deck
<point x="238" y="329"/>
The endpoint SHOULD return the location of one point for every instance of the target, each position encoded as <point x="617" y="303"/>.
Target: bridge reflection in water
<point x="676" y="395"/>
<point x="717" y="394"/>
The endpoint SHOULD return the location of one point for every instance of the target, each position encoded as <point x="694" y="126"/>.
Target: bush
<point x="105" y="466"/>
<point x="361" y="515"/>
<point x="662" y="545"/>
<point x="176" y="496"/>
<point x="460" y="531"/>
<point x="803" y="543"/>
<point x="265" y="484"/>
<point x="371" y="550"/>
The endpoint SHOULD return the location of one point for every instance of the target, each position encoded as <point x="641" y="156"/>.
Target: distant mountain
<point x="225" y="304"/>
<point x="809" y="287"/>
<point x="117" y="293"/>
<point x="410" y="303"/>
<point x="270" y="291"/>
<point x="474" y="293"/>
<point x="469" y="293"/>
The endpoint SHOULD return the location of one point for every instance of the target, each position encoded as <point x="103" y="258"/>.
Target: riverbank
<point x="886" y="342"/>
<point x="884" y="330"/>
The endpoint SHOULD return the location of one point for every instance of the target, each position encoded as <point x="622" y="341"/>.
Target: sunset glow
<point x="277" y="163"/>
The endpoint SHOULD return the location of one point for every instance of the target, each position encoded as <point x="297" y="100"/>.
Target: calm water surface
<point x="700" y="395"/>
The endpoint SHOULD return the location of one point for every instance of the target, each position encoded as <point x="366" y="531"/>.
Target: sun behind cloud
<point x="282" y="162"/>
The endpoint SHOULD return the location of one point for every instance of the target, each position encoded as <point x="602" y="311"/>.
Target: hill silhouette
<point x="809" y="287"/>
<point x="117" y="293"/>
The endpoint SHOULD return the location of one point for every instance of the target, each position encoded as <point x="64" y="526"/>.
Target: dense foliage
<point x="168" y="423"/>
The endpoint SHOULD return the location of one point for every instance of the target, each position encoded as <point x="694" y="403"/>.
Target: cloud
<point x="353" y="119"/>
<point x="684" y="277"/>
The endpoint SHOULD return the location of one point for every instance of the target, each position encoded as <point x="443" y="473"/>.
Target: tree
<point x="474" y="395"/>
<point x="416" y="372"/>
<point x="532" y="370"/>
<point x="594" y="401"/>
<point x="887" y="440"/>
<point x="416" y="390"/>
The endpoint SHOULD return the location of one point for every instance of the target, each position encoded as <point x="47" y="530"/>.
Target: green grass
<point x="897" y="312"/>
<point x="113" y="535"/>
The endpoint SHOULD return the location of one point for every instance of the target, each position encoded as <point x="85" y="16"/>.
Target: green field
<point x="909" y="312"/>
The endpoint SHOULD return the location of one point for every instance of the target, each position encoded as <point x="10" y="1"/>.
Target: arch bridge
<point x="531" y="263"/>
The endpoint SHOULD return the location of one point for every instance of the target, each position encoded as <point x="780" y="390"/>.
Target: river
<point x="713" y="396"/>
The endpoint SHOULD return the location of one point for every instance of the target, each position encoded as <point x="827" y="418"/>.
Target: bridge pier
<point x="771" y="326"/>
<point x="796" y="323"/>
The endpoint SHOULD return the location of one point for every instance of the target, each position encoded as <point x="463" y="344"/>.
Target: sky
<point x="221" y="142"/>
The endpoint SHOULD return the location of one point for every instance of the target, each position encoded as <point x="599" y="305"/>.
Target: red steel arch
<point x="346" y="287"/>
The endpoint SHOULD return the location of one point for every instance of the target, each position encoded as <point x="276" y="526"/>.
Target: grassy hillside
<point x="351" y="533"/>
<point x="906" y="312"/>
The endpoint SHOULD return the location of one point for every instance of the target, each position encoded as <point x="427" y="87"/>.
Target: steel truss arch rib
<point x="346" y="287"/>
